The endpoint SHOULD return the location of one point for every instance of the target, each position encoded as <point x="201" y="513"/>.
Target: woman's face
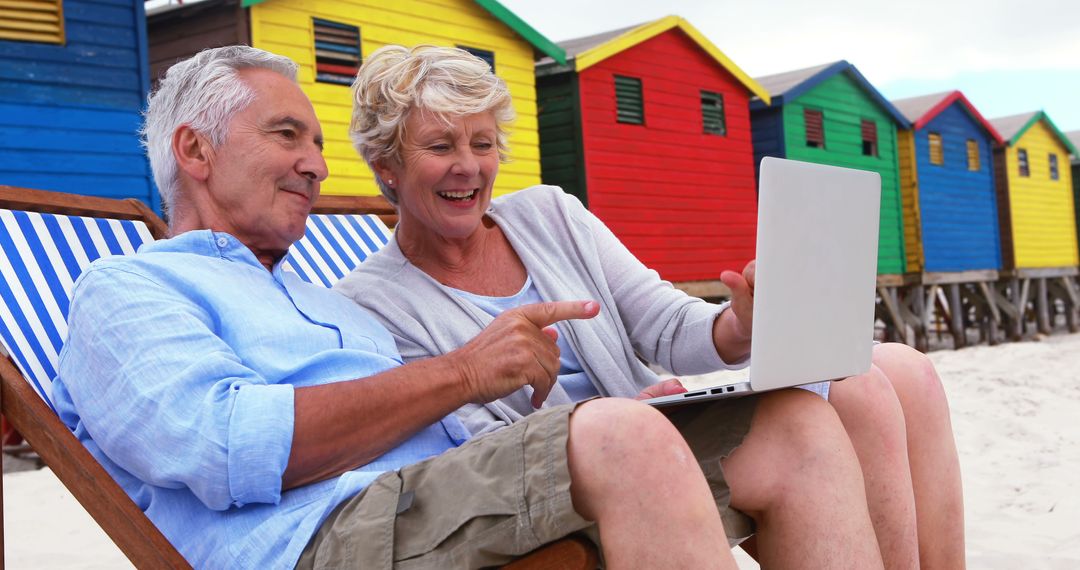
<point x="445" y="175"/>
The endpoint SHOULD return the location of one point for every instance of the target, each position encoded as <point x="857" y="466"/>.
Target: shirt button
<point x="222" y="242"/>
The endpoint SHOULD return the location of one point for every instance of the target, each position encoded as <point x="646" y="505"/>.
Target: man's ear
<point x="192" y="153"/>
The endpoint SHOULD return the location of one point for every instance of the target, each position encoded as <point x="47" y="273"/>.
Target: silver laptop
<point x="817" y="246"/>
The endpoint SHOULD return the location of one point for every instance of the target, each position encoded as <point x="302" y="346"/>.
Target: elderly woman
<point x="430" y="122"/>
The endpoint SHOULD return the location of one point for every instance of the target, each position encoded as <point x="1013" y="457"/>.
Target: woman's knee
<point x="801" y="426"/>
<point x="628" y="429"/>
<point x="911" y="374"/>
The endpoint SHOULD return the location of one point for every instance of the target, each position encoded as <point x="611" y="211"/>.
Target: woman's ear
<point x="384" y="172"/>
<point x="192" y="153"/>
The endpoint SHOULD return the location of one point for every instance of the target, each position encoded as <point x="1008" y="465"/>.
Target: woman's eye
<point x="482" y="146"/>
<point x="440" y="147"/>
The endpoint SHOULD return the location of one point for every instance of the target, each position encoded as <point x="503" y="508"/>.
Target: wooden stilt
<point x="1042" y="307"/>
<point x="957" y="317"/>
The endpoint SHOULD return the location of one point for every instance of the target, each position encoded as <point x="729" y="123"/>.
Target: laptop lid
<point x="817" y="246"/>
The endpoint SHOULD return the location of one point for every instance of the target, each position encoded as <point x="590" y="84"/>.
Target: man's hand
<point x="668" y="387"/>
<point x="518" y="349"/>
<point x="742" y="297"/>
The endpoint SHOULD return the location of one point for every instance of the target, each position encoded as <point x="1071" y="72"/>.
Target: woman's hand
<point x="668" y="387"/>
<point x="732" y="331"/>
<point x="518" y="349"/>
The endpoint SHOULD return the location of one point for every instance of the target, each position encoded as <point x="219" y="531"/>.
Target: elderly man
<point x="262" y="422"/>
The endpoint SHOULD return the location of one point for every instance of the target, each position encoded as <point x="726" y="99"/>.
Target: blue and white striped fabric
<point x="333" y="245"/>
<point x="42" y="256"/>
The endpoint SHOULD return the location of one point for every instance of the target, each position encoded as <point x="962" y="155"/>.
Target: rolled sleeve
<point x="260" y="440"/>
<point x="698" y="354"/>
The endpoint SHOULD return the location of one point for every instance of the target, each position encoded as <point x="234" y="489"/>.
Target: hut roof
<point x="1014" y="126"/>
<point x="922" y="109"/>
<point x="585" y="52"/>
<point x="790" y="85"/>
<point x="1074" y="138"/>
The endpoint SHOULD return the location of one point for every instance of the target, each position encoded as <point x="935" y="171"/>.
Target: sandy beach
<point x="1016" y="414"/>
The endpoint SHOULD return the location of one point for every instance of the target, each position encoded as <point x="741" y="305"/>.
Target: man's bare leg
<point x="797" y="475"/>
<point x="635" y="476"/>
<point x="935" y="466"/>
<point x="874" y="420"/>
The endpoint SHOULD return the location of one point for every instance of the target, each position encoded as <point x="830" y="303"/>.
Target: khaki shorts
<point x="499" y="496"/>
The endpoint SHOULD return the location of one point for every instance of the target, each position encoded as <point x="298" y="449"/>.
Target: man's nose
<point x="313" y="165"/>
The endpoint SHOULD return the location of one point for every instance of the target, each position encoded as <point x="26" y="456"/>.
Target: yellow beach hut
<point x="329" y="40"/>
<point x="1037" y="214"/>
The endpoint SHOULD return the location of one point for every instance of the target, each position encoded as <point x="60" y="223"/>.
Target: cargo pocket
<point x="470" y="496"/>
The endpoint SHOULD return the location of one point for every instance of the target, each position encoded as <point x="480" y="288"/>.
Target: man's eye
<point x="287" y="133"/>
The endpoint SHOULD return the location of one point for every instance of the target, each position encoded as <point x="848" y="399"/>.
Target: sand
<point x="1016" y="414"/>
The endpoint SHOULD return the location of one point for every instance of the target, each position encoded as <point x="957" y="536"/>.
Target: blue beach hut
<point x="947" y="189"/>
<point x="73" y="80"/>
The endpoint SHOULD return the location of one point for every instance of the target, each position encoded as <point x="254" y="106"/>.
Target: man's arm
<point x="344" y="425"/>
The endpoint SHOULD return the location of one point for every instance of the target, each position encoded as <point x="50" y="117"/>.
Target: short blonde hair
<point x="446" y="82"/>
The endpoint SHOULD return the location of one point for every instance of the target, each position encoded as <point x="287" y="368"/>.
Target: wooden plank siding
<point x="69" y="113"/>
<point x="682" y="201"/>
<point x="180" y="34"/>
<point x="562" y="153"/>
<point x="957" y="206"/>
<point x="285" y="27"/>
<point x="767" y="129"/>
<point x="1042" y="210"/>
<point x="845" y="106"/>
<point x="909" y="199"/>
<point x="1076" y="194"/>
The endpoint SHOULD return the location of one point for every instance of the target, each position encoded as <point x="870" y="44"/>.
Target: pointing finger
<point x="547" y="314"/>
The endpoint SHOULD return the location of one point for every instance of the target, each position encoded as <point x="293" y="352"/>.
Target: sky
<point x="1007" y="57"/>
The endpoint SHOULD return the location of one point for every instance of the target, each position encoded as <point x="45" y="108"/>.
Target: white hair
<point x="446" y="82"/>
<point x="203" y="92"/>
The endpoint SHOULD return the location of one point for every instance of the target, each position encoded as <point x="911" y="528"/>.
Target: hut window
<point x="1022" y="160"/>
<point x="41" y="21"/>
<point x="712" y="113"/>
<point x="937" y="153"/>
<point x="973" y="154"/>
<point x="1054" y="175"/>
<point x="815" y="128"/>
<point x="869" y="138"/>
<point x="488" y="56"/>
<point x="629" y="105"/>
<point x="337" y="52"/>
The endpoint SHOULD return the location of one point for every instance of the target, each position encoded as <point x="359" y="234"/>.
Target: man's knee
<point x="803" y="428"/>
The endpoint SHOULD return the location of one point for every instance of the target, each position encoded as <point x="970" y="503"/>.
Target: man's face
<point x="265" y="177"/>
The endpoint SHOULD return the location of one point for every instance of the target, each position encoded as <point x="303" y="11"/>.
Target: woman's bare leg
<point x="935" y="465"/>
<point x="874" y="420"/>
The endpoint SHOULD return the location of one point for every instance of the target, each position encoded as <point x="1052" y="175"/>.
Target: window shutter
<point x="973" y="155"/>
<point x="629" y="105"/>
<point x="488" y="56"/>
<point x="815" y="128"/>
<point x="1054" y="174"/>
<point x="39" y="21"/>
<point x="1022" y="162"/>
<point x="869" y="138"/>
<point x="337" y="52"/>
<point x="712" y="113"/>
<point x="937" y="153"/>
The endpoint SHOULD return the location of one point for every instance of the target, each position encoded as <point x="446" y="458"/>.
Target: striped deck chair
<point x="46" y="240"/>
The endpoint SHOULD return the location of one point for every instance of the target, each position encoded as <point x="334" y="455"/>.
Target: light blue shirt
<point x="178" y="376"/>
<point x="572" y="376"/>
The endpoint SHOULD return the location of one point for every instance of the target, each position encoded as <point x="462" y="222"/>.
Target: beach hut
<point x="73" y="79"/>
<point x="830" y="114"/>
<point x="329" y="40"/>
<point x="649" y="126"/>
<point x="1037" y="215"/>
<point x="947" y="187"/>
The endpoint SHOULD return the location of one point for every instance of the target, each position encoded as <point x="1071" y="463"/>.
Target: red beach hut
<point x="650" y="127"/>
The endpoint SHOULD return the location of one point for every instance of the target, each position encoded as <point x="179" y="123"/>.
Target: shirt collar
<point x="211" y="244"/>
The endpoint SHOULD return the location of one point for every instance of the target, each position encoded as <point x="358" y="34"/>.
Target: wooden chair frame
<point x="89" y="483"/>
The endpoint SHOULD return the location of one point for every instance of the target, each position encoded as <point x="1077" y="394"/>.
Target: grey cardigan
<point x="570" y="255"/>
